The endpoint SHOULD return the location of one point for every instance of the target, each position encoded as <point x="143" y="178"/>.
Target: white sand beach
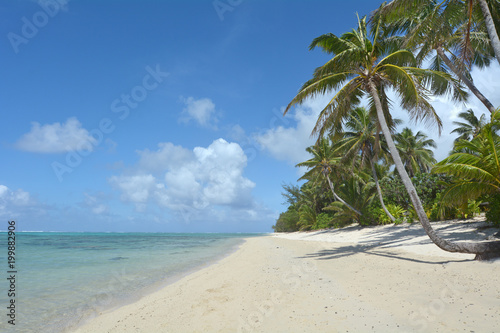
<point x="375" y="279"/>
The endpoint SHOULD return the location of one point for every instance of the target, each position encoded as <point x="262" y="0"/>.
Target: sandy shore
<point x="382" y="279"/>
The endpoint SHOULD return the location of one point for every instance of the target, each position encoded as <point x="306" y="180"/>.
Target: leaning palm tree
<point x="470" y="127"/>
<point x="366" y="67"/>
<point x="325" y="161"/>
<point x="415" y="151"/>
<point x="444" y="32"/>
<point x="490" y="25"/>
<point x="360" y="191"/>
<point x="361" y="141"/>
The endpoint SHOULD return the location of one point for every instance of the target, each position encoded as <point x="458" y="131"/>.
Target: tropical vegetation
<point x="361" y="169"/>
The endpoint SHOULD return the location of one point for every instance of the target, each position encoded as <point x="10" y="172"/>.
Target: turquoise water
<point x="64" y="279"/>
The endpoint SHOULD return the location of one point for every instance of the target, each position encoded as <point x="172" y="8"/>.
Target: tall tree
<point x="490" y="26"/>
<point x="361" y="141"/>
<point x="415" y="151"/>
<point x="325" y="161"/>
<point x="445" y="31"/>
<point x="364" y="65"/>
<point x="465" y="8"/>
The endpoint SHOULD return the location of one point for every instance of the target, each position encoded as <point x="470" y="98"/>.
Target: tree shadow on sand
<point x="383" y="242"/>
<point x="350" y="250"/>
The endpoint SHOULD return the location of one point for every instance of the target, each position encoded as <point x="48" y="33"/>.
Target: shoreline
<point x="274" y="284"/>
<point x="150" y="289"/>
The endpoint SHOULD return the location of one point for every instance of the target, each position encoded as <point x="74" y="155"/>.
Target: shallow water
<point x="63" y="279"/>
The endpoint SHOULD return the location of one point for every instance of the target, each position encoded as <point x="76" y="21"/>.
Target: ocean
<point x="63" y="279"/>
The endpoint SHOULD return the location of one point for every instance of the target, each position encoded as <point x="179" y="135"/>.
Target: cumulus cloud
<point x="288" y="143"/>
<point x="201" y="111"/>
<point x="19" y="204"/>
<point x="167" y="156"/>
<point x="56" y="138"/>
<point x="18" y="198"/>
<point x="194" y="182"/>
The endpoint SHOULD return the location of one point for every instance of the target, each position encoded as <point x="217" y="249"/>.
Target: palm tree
<point x="358" y="190"/>
<point x="454" y="8"/>
<point x="358" y="69"/>
<point x="470" y="127"/>
<point x="414" y="151"/>
<point x="309" y="204"/>
<point x="325" y="161"/>
<point x="361" y="140"/>
<point x="434" y="27"/>
<point x="490" y="26"/>
<point x="476" y="166"/>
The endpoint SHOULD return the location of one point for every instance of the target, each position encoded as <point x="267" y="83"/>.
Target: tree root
<point x="487" y="256"/>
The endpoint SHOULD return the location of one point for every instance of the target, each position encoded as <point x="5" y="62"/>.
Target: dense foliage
<point x="351" y="175"/>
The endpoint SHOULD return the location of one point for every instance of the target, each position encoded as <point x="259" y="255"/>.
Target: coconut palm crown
<point x="444" y="31"/>
<point x="325" y="161"/>
<point x="488" y="9"/>
<point x="362" y="66"/>
<point x="470" y="126"/>
<point x="415" y="151"/>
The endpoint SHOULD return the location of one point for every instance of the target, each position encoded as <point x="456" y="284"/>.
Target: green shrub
<point x="323" y="221"/>
<point x="287" y="222"/>
<point x="493" y="213"/>
<point x="370" y="215"/>
<point x="439" y="211"/>
<point x="396" y="211"/>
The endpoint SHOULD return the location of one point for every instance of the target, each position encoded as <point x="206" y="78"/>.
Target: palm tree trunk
<point x="379" y="191"/>
<point x="340" y="199"/>
<point x="490" y="26"/>
<point x="484" y="250"/>
<point x="462" y="77"/>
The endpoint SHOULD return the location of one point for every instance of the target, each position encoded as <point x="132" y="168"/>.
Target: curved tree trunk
<point x="379" y="191"/>
<point x="467" y="82"/>
<point x="483" y="250"/>
<point x="340" y="199"/>
<point x="490" y="26"/>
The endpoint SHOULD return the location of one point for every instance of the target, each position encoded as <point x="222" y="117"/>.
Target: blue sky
<point x="162" y="115"/>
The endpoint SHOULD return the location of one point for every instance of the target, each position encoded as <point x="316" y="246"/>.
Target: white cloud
<point x="202" y="111"/>
<point x="167" y="156"/>
<point x="95" y="204"/>
<point x="236" y="133"/>
<point x="19" y="204"/>
<point x="289" y="143"/>
<point x="136" y="188"/>
<point x="220" y="168"/>
<point x="486" y="80"/>
<point x="198" y="183"/>
<point x="56" y="138"/>
<point x="17" y="198"/>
